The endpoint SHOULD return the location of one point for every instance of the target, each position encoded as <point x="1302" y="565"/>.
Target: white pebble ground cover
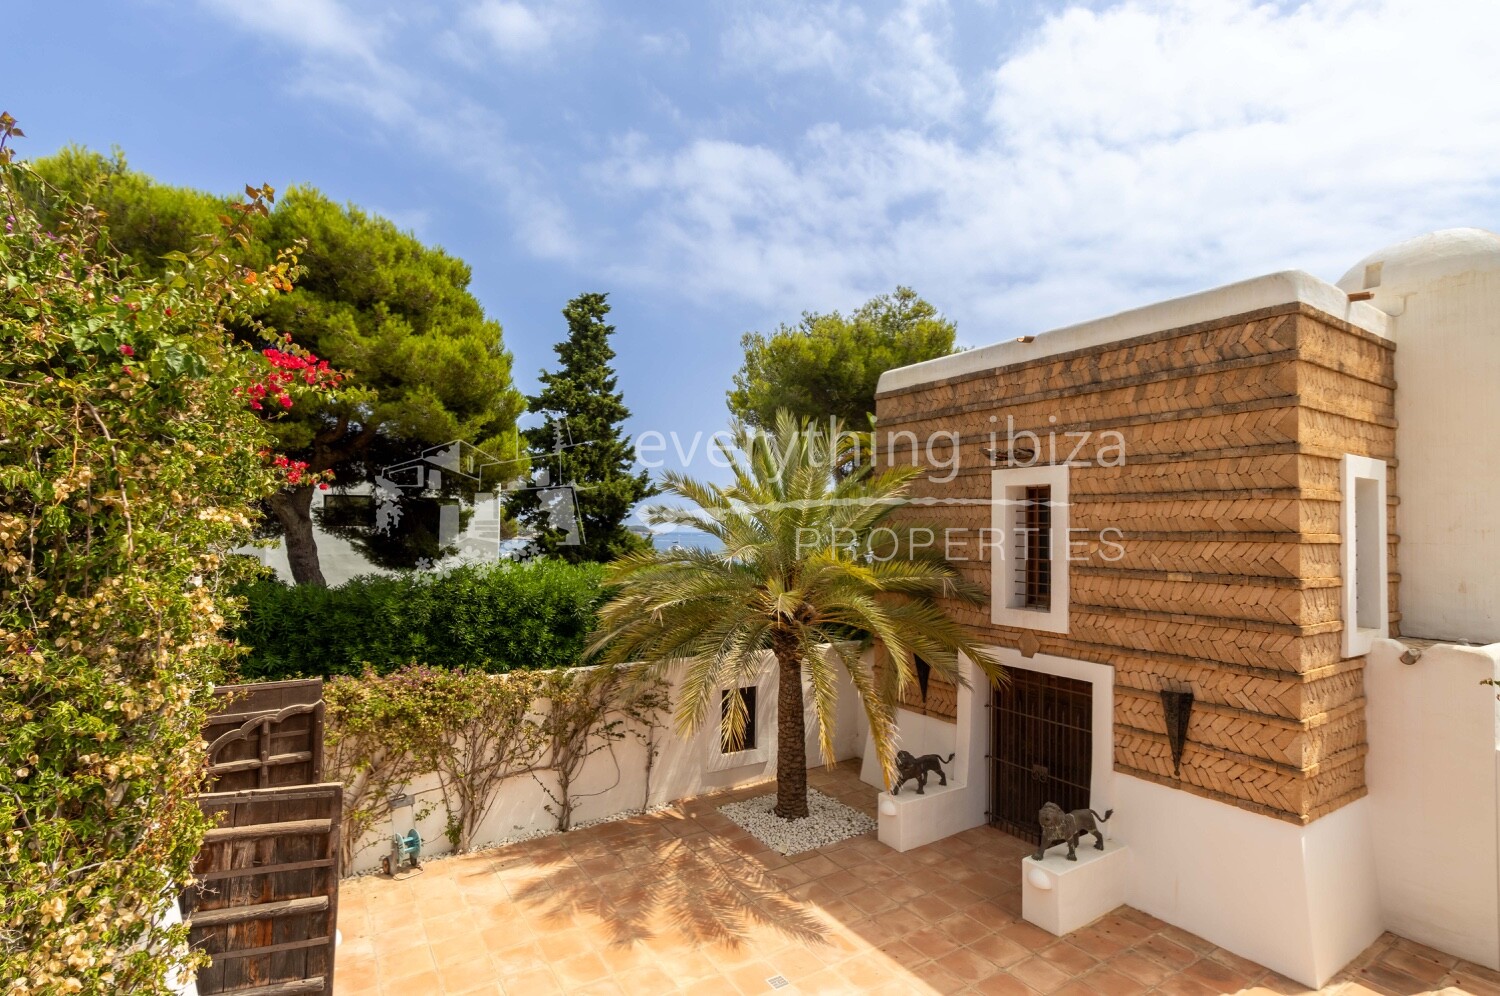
<point x="828" y="822"/>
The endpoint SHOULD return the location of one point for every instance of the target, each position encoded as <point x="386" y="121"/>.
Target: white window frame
<point x="765" y="691"/>
<point x="1363" y="553"/>
<point x="1008" y="489"/>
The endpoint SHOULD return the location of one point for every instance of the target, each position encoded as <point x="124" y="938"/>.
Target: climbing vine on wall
<point x="475" y="731"/>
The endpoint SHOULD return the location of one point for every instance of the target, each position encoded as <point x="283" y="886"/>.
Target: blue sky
<point x="720" y="167"/>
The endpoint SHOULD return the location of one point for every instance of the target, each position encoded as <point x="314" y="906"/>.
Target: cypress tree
<point x="580" y="443"/>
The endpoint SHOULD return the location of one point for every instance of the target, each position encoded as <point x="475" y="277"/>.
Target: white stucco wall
<point x="1442" y="292"/>
<point x="1300" y="900"/>
<point x="1434" y="801"/>
<point x="612" y="782"/>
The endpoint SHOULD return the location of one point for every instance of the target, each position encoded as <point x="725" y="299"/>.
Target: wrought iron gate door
<point x="1042" y="749"/>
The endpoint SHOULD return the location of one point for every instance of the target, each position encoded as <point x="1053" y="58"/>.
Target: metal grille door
<point x="1042" y="749"/>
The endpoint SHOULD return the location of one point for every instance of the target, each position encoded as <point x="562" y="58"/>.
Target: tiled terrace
<point x="682" y="901"/>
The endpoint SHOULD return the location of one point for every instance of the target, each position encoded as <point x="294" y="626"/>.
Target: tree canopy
<point x="828" y="365"/>
<point x="423" y="364"/>
<point x="580" y="443"/>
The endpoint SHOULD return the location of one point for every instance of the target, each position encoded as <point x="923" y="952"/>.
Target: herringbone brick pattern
<point x="1278" y="471"/>
<point x="1280" y="695"/>
<point x="1247" y="601"/>
<point x="1208" y="558"/>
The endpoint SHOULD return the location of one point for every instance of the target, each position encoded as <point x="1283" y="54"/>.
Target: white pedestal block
<point x="1061" y="896"/>
<point x="909" y="820"/>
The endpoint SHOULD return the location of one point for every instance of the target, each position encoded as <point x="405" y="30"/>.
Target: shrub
<point x="476" y="731"/>
<point x="494" y="617"/>
<point x="129" y="462"/>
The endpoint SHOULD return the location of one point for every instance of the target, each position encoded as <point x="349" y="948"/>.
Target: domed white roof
<point x="1408" y="265"/>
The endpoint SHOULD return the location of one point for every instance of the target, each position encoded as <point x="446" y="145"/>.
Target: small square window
<point x="728" y="744"/>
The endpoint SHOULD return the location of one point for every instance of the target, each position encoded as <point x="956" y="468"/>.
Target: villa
<point x="1222" y="615"/>
<point x="1230" y="628"/>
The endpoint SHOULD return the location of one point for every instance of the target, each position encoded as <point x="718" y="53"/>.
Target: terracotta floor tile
<point x="645" y="980"/>
<point x="1218" y="975"/>
<point x="933" y="942"/>
<point x="930" y="908"/>
<point x="580" y="969"/>
<point x="1139" y="967"/>
<point x="869" y="901"/>
<point x="1190" y="941"/>
<point x="1043" y="976"/>
<point x="1108" y="982"/>
<point x="1097" y="942"/>
<point x="683" y="901"/>
<point x="1182" y="985"/>
<point x="1001" y="950"/>
<point x="403" y="962"/>
<point x="1281" y="984"/>
<point x="464" y="976"/>
<point x="1421" y="967"/>
<point x="420" y="982"/>
<point x="938" y="979"/>
<point x="1244" y="966"/>
<point x="963" y="928"/>
<point x="1169" y="953"/>
<point x="1003" y="984"/>
<point x="968" y="965"/>
<point x="1076" y="988"/>
<point x="1069" y="957"/>
<point x="1029" y="935"/>
<point x="1469" y="978"/>
<point x="1381" y="976"/>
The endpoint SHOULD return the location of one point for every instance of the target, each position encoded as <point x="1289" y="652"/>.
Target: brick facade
<point x="1227" y="503"/>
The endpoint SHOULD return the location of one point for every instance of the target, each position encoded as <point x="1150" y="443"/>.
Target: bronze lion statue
<point x="909" y="767"/>
<point x="1058" y="826"/>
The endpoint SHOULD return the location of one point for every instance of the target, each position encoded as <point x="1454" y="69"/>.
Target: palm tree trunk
<point x="791" y="736"/>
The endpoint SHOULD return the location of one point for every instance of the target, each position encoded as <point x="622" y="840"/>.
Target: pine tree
<point x="580" y="443"/>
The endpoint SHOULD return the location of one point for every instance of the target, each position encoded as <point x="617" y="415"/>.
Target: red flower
<point x="125" y="348"/>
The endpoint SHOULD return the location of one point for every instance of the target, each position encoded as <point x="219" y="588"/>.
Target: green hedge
<point x="500" y="617"/>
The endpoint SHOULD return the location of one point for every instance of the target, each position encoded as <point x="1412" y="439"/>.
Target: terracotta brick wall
<point x="1228" y="501"/>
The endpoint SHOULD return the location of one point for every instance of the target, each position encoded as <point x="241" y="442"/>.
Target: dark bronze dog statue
<point x="909" y="767"/>
<point x="1058" y="826"/>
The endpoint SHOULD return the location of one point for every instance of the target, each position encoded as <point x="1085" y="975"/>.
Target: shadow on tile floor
<point x="683" y="901"/>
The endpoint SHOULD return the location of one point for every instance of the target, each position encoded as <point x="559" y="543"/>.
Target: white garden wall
<point x="614" y="780"/>
<point x="1435" y="795"/>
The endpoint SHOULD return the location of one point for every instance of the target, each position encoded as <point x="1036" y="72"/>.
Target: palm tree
<point x="814" y="569"/>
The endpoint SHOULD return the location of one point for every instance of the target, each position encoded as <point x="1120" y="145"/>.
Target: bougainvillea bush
<point x="130" y="460"/>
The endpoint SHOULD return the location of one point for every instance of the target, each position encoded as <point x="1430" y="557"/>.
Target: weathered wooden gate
<point x="269" y="734"/>
<point x="1042" y="749"/>
<point x="265" y="906"/>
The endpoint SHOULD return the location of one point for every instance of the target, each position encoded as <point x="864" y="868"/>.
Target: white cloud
<point x="324" y="26"/>
<point x="913" y="72"/>
<point x="347" y="62"/>
<point x="788" y="36"/>
<point x="1129" y="152"/>
<point x="520" y="32"/>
